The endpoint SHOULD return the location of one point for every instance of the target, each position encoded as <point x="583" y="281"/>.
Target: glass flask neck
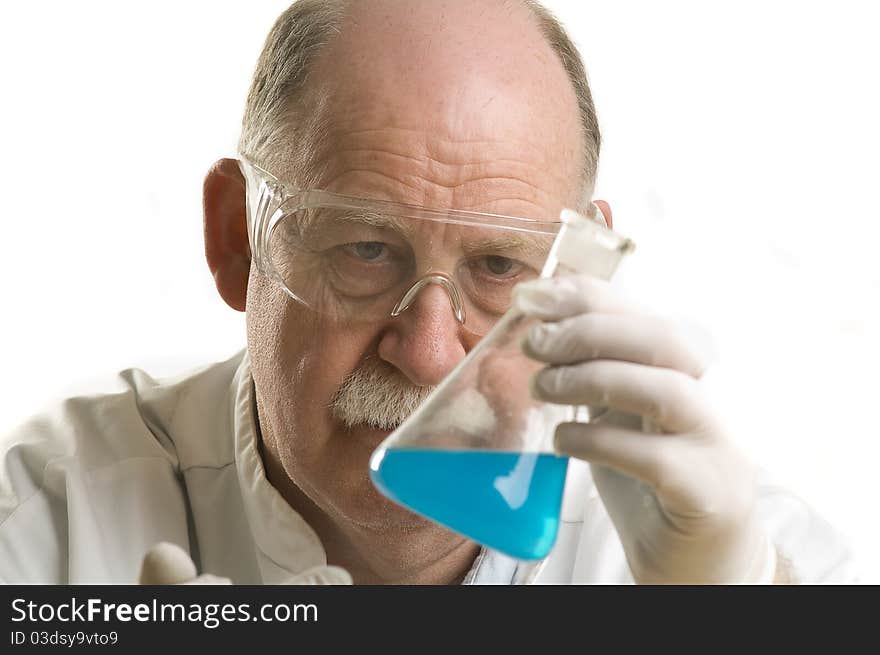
<point x="585" y="245"/>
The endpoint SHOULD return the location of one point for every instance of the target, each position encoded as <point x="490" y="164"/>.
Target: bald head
<point x="467" y="64"/>
<point x="481" y="81"/>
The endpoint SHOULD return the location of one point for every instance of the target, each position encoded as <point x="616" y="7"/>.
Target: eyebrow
<point x="524" y="243"/>
<point x="377" y="219"/>
<point x="361" y="217"/>
<point x="511" y="239"/>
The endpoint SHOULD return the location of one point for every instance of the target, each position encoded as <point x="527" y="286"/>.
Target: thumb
<point x="166" y="564"/>
<point x="207" y="578"/>
<point x="322" y="575"/>
<point x="169" y="564"/>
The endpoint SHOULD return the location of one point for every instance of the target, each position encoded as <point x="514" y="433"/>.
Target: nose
<point x="424" y="340"/>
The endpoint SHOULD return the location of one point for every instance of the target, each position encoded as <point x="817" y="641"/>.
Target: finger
<point x="670" y="399"/>
<point x="208" y="579"/>
<point x="166" y="564"/>
<point x="643" y="456"/>
<point x="322" y="575"/>
<point x="652" y="341"/>
<point x="553" y="299"/>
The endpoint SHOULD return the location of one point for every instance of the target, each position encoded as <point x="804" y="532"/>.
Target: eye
<point x="369" y="251"/>
<point x="363" y="269"/>
<point x="489" y="279"/>
<point x="498" y="265"/>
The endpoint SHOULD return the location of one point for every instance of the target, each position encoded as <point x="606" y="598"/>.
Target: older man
<point x="258" y="467"/>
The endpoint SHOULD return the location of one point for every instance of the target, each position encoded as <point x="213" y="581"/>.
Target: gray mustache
<point x="378" y="395"/>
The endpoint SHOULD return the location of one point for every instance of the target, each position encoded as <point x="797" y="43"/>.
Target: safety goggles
<point x="356" y="259"/>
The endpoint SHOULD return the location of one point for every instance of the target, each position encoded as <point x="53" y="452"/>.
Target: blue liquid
<point x="508" y="501"/>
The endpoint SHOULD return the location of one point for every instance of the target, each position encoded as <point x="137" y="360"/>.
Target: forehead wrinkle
<point x="420" y="147"/>
<point x="491" y="196"/>
<point x="384" y="134"/>
<point x="484" y="167"/>
<point x="424" y="167"/>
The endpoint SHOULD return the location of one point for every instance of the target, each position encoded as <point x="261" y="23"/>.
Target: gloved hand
<point x="680" y="495"/>
<point x="169" y="564"/>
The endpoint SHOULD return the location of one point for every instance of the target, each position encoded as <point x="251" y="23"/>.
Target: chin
<point x="341" y="486"/>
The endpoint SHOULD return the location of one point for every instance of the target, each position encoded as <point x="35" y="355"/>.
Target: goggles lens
<point x="356" y="264"/>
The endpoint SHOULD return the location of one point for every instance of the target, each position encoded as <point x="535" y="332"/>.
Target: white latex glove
<point x="681" y="497"/>
<point x="169" y="564"/>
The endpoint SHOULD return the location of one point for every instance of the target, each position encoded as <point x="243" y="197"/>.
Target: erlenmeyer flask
<point x="477" y="455"/>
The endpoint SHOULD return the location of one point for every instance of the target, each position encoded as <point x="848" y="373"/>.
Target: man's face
<point x="448" y="107"/>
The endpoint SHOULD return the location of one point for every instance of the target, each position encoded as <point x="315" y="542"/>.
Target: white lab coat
<point x="88" y="487"/>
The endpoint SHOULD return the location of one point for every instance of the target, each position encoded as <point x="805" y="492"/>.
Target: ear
<point x="606" y="212"/>
<point x="226" y="240"/>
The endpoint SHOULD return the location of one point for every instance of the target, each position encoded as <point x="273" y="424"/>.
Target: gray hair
<point x="280" y="129"/>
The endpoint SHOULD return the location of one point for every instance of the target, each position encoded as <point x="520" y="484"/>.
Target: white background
<point x="741" y="148"/>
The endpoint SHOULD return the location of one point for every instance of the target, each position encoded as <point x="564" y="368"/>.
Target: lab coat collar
<point x="286" y="544"/>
